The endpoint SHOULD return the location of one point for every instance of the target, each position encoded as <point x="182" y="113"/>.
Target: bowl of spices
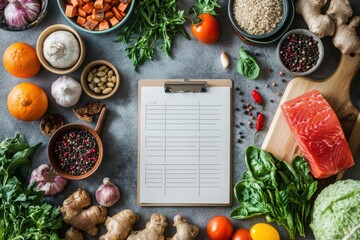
<point x="20" y="15"/>
<point x="100" y="79"/>
<point x="60" y="49"/>
<point x="300" y="52"/>
<point x="75" y="151"/>
<point x="97" y="16"/>
<point x="258" y="19"/>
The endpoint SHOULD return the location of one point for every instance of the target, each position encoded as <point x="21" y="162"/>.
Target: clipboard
<point x="179" y="152"/>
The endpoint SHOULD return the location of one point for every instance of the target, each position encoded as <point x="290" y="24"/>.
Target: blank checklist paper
<point x="185" y="147"/>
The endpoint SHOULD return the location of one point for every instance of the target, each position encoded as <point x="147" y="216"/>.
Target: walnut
<point x="51" y="122"/>
<point x="87" y="112"/>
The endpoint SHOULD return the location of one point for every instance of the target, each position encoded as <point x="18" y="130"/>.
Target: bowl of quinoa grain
<point x="300" y="52"/>
<point x="258" y="19"/>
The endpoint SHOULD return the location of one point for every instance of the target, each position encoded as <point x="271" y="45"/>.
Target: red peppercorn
<point x="259" y="122"/>
<point x="257" y="97"/>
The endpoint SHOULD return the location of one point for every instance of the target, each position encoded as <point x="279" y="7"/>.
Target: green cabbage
<point x="336" y="213"/>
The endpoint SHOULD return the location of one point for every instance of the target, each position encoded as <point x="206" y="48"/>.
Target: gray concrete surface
<point x="190" y="59"/>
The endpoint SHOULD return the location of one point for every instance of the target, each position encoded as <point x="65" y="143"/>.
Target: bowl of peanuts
<point x="100" y="79"/>
<point x="97" y="16"/>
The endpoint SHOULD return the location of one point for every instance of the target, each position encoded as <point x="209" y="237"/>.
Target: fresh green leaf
<point x="276" y="189"/>
<point x="154" y="22"/>
<point x="204" y="6"/>
<point x="247" y="65"/>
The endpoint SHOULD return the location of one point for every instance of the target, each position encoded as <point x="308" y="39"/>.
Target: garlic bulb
<point x="47" y="180"/>
<point x="66" y="91"/>
<point x="107" y="194"/>
<point x="19" y="13"/>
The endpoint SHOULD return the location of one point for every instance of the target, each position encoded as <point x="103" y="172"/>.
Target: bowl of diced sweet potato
<point x="97" y="16"/>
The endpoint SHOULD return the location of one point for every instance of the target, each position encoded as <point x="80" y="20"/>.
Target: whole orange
<point x="27" y="102"/>
<point x="20" y="60"/>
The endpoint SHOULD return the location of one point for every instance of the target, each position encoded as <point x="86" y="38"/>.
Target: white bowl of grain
<point x="258" y="19"/>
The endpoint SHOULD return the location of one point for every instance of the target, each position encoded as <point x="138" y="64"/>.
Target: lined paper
<point x="185" y="147"/>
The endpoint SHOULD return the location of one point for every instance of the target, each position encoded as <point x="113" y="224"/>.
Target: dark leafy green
<point x="205" y="6"/>
<point x="23" y="213"/>
<point x="276" y="189"/>
<point x="247" y="65"/>
<point x="153" y="22"/>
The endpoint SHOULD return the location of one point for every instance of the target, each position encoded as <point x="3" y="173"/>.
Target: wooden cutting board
<point x="335" y="89"/>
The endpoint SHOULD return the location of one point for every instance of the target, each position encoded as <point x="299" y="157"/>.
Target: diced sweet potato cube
<point x="117" y="13"/>
<point x="89" y="17"/>
<point x="88" y="7"/>
<point x="103" y="25"/>
<point x="91" y="24"/>
<point x="107" y="6"/>
<point x="108" y="15"/>
<point x="81" y="12"/>
<point x="70" y="11"/>
<point x="114" y="21"/>
<point x="75" y="3"/>
<point x="115" y="2"/>
<point x="97" y="28"/>
<point x="98" y="15"/>
<point x="122" y="6"/>
<point x="99" y="4"/>
<point x="81" y="21"/>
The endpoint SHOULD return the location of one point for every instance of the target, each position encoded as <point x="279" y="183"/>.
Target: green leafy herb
<point x="276" y="189"/>
<point x="153" y="21"/>
<point x="247" y="65"/>
<point x="205" y="6"/>
<point x="23" y="213"/>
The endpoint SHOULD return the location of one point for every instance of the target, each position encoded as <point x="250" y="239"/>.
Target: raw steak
<point x="318" y="133"/>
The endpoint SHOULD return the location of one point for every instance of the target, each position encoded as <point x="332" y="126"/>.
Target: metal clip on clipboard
<point x="185" y="86"/>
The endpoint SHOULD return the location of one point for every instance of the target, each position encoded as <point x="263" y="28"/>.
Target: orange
<point x="20" y="60"/>
<point x="27" y="102"/>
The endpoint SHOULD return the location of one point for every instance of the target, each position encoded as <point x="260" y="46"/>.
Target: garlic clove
<point x="47" y="180"/>
<point x="224" y="59"/>
<point x="107" y="194"/>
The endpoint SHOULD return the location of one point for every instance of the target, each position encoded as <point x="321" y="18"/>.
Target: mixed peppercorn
<point x="76" y="152"/>
<point x="299" y="52"/>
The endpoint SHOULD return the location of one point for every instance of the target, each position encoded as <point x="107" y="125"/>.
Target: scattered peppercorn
<point x="278" y="94"/>
<point x="299" y="52"/>
<point x="281" y="73"/>
<point x="256" y="87"/>
<point x="274" y="84"/>
<point x="266" y="85"/>
<point x="237" y="89"/>
<point x="76" y="152"/>
<point x="270" y="70"/>
<point x="283" y="80"/>
<point x="271" y="100"/>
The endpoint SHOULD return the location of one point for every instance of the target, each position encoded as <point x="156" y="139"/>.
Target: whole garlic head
<point x="66" y="91"/>
<point x="107" y="194"/>
<point x="61" y="49"/>
<point x="47" y="180"/>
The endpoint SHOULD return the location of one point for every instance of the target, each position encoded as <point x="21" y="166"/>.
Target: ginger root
<point x="73" y="212"/>
<point x="184" y="230"/>
<point x="120" y="225"/>
<point x="345" y="38"/>
<point x="73" y="234"/>
<point x="320" y="24"/>
<point x="154" y="229"/>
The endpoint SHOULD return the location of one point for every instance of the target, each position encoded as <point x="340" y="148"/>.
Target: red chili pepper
<point x="257" y="97"/>
<point x="259" y="122"/>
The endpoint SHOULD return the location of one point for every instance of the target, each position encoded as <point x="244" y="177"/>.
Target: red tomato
<point x="207" y="30"/>
<point x="241" y="234"/>
<point x="219" y="228"/>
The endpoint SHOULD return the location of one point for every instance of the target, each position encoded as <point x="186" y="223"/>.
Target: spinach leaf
<point x="247" y="65"/>
<point x="23" y="213"/>
<point x="276" y="189"/>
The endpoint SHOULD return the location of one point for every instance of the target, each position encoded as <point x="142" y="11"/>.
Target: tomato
<point x="219" y="228"/>
<point x="241" y="234"/>
<point x="263" y="231"/>
<point x="207" y="29"/>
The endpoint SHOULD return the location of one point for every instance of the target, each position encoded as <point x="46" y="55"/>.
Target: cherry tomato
<point x="219" y="228"/>
<point x="263" y="231"/>
<point x="206" y="29"/>
<point x="241" y="234"/>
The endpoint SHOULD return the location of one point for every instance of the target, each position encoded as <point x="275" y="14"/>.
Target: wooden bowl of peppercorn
<point x="75" y="151"/>
<point x="300" y="52"/>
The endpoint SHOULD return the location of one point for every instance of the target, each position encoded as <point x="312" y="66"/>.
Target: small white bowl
<point x="320" y="47"/>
